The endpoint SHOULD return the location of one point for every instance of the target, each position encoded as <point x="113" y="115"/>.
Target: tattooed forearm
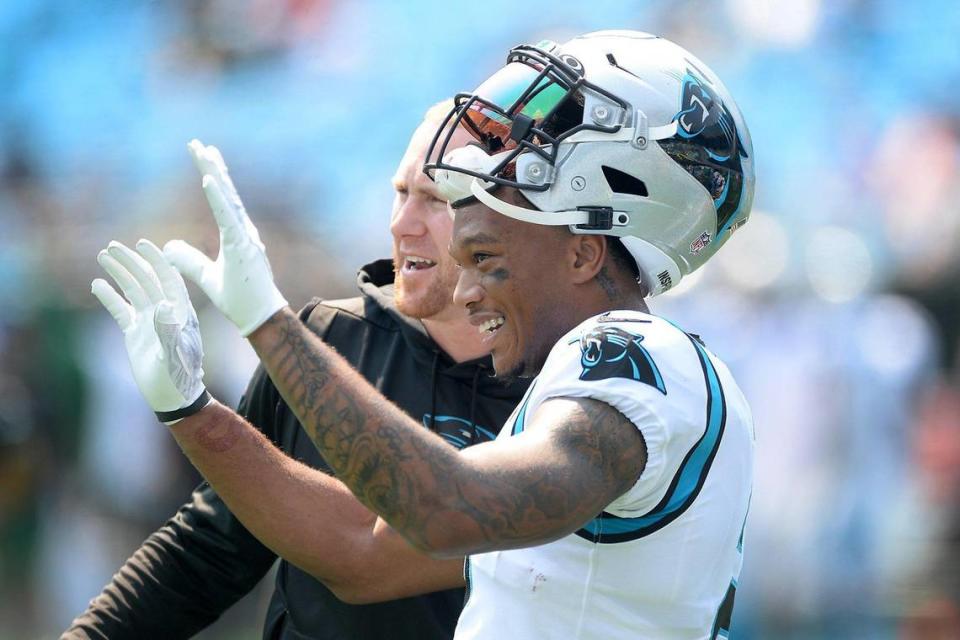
<point x="364" y="438"/>
<point x="602" y="455"/>
<point x="490" y="496"/>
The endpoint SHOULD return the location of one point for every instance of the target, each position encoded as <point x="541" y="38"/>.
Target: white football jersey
<point x="662" y="560"/>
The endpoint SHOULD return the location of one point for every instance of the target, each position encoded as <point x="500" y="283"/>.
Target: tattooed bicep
<point x="597" y="440"/>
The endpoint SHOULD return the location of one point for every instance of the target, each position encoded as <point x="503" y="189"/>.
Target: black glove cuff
<point x="192" y="408"/>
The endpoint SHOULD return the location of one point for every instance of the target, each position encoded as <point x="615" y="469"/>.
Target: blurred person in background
<point x="406" y="337"/>
<point x="932" y="592"/>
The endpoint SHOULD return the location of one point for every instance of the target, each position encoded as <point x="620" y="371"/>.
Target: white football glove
<point x="160" y="328"/>
<point x="240" y="282"/>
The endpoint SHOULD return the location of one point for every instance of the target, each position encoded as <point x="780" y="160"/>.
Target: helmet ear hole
<point x="622" y="182"/>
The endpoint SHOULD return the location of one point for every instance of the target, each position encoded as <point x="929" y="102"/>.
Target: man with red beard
<point x="404" y="336"/>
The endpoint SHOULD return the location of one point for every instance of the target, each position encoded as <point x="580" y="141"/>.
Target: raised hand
<point x="160" y="327"/>
<point x="239" y="282"/>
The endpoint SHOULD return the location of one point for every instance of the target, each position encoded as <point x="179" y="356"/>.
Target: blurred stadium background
<point x="838" y="306"/>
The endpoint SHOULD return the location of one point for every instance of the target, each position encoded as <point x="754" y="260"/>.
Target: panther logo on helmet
<point x="704" y="120"/>
<point x="704" y="117"/>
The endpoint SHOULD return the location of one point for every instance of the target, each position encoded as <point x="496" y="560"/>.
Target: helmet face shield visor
<point x="516" y="90"/>
<point x="531" y="104"/>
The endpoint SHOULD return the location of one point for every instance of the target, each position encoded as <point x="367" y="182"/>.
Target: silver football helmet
<point x="618" y="133"/>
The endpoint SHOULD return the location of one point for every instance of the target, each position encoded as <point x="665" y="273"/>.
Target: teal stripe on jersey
<point x="686" y="483"/>
<point x="521" y="420"/>
<point x="467" y="579"/>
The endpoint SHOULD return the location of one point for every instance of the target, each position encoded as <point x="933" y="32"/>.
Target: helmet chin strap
<point x="660" y="270"/>
<point x="550" y="218"/>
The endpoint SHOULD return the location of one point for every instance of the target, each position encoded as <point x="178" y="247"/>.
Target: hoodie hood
<point x="375" y="282"/>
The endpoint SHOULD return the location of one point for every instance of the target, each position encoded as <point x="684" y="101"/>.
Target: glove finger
<point x="139" y="268"/>
<point x="170" y="279"/>
<point x="229" y="192"/>
<point x="216" y="159"/>
<point x="209" y="161"/>
<point x="113" y="303"/>
<point x="231" y="223"/>
<point x="188" y="260"/>
<point x="212" y="169"/>
<point x="127" y="283"/>
<point x="198" y="151"/>
<point x="218" y="169"/>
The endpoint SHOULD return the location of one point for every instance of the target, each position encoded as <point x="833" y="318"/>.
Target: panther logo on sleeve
<point x="611" y="352"/>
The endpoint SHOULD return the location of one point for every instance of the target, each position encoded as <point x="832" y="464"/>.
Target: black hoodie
<point x="203" y="560"/>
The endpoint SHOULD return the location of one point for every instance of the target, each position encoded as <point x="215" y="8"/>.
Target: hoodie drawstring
<point x="473" y="403"/>
<point x="473" y="397"/>
<point x="433" y="391"/>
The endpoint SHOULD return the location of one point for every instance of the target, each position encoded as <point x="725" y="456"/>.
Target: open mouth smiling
<point x="491" y="326"/>
<point x="417" y="263"/>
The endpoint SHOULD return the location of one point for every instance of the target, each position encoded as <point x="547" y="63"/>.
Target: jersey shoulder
<point x="639" y="364"/>
<point x="647" y="369"/>
<point x="663" y="380"/>
<point x="629" y="348"/>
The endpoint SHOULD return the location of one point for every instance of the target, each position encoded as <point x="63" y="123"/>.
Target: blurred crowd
<point x="837" y="307"/>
